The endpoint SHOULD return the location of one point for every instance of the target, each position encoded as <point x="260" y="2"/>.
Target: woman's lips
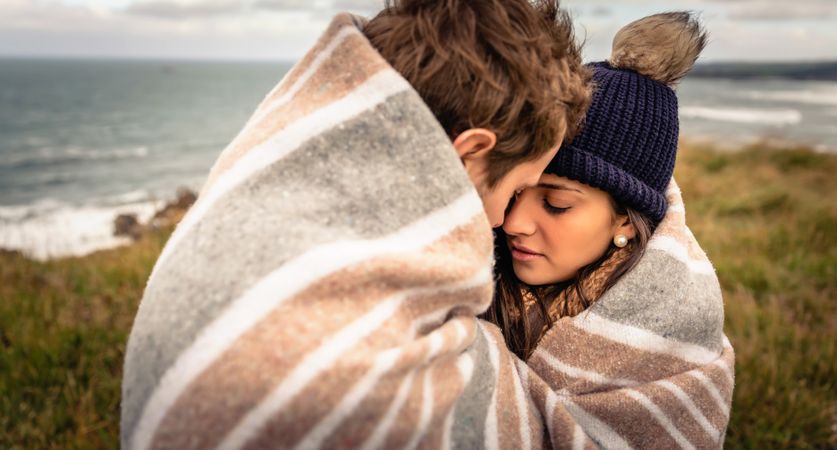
<point x="521" y="253"/>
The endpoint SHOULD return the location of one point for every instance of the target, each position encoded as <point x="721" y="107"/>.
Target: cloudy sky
<point x="762" y="30"/>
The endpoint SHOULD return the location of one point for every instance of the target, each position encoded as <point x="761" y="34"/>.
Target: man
<point x="323" y="291"/>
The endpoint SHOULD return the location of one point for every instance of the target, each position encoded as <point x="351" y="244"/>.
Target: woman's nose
<point x="518" y="221"/>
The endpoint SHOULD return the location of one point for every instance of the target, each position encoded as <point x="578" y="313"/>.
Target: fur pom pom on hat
<point x="628" y="143"/>
<point x="663" y="47"/>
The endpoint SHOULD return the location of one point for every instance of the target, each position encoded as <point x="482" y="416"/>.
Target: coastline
<point x="58" y="231"/>
<point x="48" y="231"/>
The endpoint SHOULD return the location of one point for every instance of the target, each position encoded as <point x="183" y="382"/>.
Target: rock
<point x="185" y="198"/>
<point x="7" y="252"/>
<point x="174" y="210"/>
<point x="128" y="225"/>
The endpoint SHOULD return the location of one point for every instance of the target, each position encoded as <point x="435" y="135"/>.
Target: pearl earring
<point x="620" y="240"/>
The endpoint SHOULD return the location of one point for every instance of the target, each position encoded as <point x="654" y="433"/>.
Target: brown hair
<point x="503" y="65"/>
<point x="524" y="313"/>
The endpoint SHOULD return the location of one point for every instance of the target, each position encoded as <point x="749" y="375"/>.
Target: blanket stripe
<point x="323" y="293"/>
<point x="370" y="94"/>
<point x="352" y="92"/>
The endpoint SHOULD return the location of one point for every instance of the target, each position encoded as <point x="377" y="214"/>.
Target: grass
<point x="767" y="219"/>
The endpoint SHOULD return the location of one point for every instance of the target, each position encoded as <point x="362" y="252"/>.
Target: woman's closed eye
<point x="554" y="209"/>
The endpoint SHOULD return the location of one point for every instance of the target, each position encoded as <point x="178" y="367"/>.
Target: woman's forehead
<point x="557" y="182"/>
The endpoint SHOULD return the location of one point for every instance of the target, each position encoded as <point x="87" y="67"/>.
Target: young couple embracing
<point x="338" y="285"/>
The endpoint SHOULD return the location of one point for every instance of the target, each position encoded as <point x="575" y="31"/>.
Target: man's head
<point x="503" y="77"/>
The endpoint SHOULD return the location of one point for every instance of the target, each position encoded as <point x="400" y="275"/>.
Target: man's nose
<point x="517" y="221"/>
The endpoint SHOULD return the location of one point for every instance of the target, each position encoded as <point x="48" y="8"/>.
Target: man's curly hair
<point x="510" y="66"/>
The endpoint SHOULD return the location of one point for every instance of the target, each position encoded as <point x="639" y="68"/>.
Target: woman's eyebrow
<point x="558" y="187"/>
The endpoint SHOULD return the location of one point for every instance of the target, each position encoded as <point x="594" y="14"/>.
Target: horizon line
<point x="199" y="59"/>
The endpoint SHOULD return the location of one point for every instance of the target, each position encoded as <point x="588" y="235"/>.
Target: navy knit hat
<point x="628" y="143"/>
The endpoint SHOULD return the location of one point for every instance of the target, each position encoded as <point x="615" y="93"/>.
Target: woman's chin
<point x="534" y="277"/>
<point x="528" y="275"/>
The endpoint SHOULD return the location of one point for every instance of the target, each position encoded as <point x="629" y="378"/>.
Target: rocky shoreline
<point x="130" y="225"/>
<point x="68" y="231"/>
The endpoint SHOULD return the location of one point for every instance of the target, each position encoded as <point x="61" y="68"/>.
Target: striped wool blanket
<point x="647" y="365"/>
<point x="323" y="293"/>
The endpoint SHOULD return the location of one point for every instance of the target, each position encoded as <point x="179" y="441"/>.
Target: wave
<point x="52" y="229"/>
<point x="743" y="115"/>
<point x="53" y="156"/>
<point x="806" y="97"/>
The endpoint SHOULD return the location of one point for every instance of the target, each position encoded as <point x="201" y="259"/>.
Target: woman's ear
<point x="625" y="227"/>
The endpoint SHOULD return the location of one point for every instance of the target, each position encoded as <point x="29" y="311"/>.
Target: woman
<point x="600" y="283"/>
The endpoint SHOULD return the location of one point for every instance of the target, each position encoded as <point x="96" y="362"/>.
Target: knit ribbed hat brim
<point x="576" y="164"/>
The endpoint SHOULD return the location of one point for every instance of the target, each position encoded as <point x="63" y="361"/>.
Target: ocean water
<point x="82" y="141"/>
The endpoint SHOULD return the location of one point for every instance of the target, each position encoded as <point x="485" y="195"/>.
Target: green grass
<point x="63" y="326"/>
<point x="767" y="219"/>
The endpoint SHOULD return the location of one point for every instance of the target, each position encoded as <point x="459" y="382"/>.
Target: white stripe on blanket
<point x="289" y="279"/>
<point x="575" y="372"/>
<point x="492" y="438"/>
<point x="376" y="439"/>
<point x="447" y="429"/>
<point x="661" y="418"/>
<point x="674" y="248"/>
<point x="691" y="407"/>
<point x="676" y="209"/>
<point x="371" y="93"/>
<point x="551" y="404"/>
<point x="578" y="437"/>
<point x="426" y="410"/>
<point x="383" y="363"/>
<point x="321" y="57"/>
<point x="523" y="413"/>
<point x="330" y="351"/>
<point x="315" y="437"/>
<point x="712" y="389"/>
<point x="598" y="430"/>
<point x="643" y="339"/>
<point x="727" y="372"/>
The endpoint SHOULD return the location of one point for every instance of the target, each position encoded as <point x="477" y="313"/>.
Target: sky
<point x="740" y="30"/>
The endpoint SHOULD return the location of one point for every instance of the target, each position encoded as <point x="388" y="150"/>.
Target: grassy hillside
<point x="767" y="219"/>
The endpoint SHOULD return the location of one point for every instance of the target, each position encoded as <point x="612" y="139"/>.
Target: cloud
<point x="779" y="10"/>
<point x="358" y="5"/>
<point x="285" y="5"/>
<point x="165" y="9"/>
<point x="284" y="29"/>
<point x="197" y="9"/>
<point x="602" y="11"/>
<point x="799" y="12"/>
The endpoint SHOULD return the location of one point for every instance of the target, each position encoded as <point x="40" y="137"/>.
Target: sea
<point x="82" y="141"/>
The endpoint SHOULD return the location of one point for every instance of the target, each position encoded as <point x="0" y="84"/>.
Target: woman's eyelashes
<point x="551" y="209"/>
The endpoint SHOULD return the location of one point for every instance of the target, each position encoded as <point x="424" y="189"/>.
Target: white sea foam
<point x="813" y="97"/>
<point x="50" y="229"/>
<point x="743" y="115"/>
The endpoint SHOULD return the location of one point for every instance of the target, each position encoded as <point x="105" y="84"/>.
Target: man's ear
<point x="474" y="144"/>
